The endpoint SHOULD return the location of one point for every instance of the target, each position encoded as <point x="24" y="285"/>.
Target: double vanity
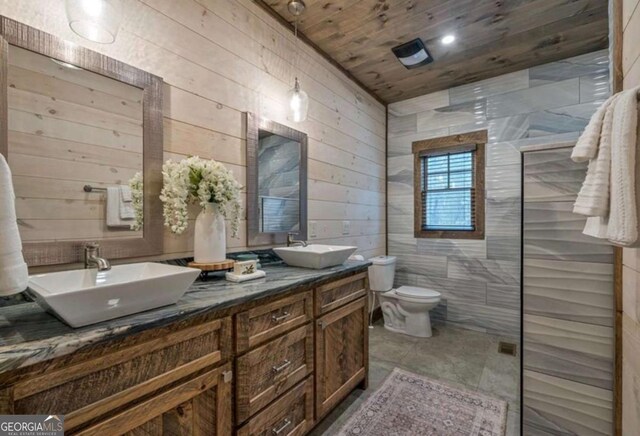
<point x="267" y="357"/>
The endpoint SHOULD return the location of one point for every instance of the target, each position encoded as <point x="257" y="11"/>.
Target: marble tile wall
<point x="480" y="280"/>
<point x="567" y="304"/>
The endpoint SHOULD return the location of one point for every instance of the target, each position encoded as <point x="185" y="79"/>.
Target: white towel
<point x="239" y="278"/>
<point x="114" y="200"/>
<point x="597" y="227"/>
<point x="587" y="146"/>
<point x="623" y="220"/>
<point x="593" y="199"/>
<point x="9" y="244"/>
<point x="14" y="278"/>
<point x="607" y="195"/>
<point x="125" y="194"/>
<point x="126" y="206"/>
<point x="14" y="274"/>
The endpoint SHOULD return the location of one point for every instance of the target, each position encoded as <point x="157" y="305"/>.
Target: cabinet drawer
<point x="291" y="415"/>
<point x="90" y="389"/>
<point x="338" y="293"/>
<point x="262" y="323"/>
<point x="200" y="406"/>
<point x="266" y="372"/>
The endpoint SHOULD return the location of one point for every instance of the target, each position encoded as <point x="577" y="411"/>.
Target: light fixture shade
<point x="95" y="20"/>
<point x="298" y="103"/>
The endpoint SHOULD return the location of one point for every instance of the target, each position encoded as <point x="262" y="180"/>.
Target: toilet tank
<point x="382" y="272"/>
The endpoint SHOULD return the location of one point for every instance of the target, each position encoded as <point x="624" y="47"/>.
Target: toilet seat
<point x="417" y="293"/>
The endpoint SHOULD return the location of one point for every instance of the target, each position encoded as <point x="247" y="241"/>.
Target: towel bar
<point x="89" y="188"/>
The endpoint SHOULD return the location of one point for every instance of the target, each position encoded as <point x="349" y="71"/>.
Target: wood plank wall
<point x="631" y="257"/>
<point x="68" y="128"/>
<point x="220" y="58"/>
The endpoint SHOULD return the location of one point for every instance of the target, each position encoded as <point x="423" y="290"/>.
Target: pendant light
<point x="95" y="20"/>
<point x="298" y="99"/>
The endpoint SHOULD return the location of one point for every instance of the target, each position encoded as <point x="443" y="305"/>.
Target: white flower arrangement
<point x="137" y="195"/>
<point x="198" y="181"/>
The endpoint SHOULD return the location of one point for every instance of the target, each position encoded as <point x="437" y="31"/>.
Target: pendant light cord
<point x="296" y="48"/>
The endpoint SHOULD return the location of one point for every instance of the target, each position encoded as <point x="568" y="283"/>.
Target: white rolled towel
<point x="8" y="244"/>
<point x="14" y="274"/>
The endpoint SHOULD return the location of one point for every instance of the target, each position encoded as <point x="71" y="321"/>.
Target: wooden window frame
<point x="451" y="144"/>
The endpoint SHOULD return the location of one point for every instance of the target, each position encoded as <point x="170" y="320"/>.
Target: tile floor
<point x="460" y="357"/>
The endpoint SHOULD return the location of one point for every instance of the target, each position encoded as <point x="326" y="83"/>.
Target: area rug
<point x="410" y="405"/>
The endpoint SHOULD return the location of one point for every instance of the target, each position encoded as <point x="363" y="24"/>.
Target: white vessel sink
<point x="82" y="297"/>
<point x="315" y="256"/>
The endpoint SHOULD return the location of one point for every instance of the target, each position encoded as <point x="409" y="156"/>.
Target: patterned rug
<point x="410" y="405"/>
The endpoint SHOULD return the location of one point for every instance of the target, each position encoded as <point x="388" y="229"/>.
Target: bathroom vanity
<point x="267" y="357"/>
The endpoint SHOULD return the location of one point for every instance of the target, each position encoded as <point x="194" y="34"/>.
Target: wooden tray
<point x="214" y="266"/>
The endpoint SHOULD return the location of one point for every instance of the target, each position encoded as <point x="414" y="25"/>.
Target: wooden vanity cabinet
<point x="341" y="354"/>
<point x="292" y="359"/>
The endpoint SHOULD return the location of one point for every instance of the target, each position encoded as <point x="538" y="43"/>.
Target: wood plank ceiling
<point x="493" y="37"/>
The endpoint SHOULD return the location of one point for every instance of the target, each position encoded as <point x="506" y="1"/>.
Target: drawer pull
<point x="277" y="430"/>
<point x="280" y="318"/>
<point x="282" y="366"/>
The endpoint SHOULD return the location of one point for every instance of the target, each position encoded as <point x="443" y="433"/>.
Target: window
<point x="449" y="186"/>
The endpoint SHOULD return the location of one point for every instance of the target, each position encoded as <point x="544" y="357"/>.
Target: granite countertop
<point x="29" y="335"/>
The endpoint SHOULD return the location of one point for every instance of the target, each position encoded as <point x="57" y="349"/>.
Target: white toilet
<point x="406" y="309"/>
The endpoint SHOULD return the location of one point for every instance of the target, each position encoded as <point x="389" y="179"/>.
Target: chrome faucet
<point x="92" y="258"/>
<point x="291" y="241"/>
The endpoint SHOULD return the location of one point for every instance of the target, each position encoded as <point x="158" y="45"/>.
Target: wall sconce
<point x="95" y="20"/>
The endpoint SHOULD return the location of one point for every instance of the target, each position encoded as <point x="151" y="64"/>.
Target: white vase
<point x="210" y="243"/>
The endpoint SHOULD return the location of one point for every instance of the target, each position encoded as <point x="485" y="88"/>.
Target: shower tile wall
<point x="568" y="305"/>
<point x="480" y="280"/>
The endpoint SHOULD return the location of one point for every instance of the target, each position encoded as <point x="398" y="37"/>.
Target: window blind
<point x="448" y="191"/>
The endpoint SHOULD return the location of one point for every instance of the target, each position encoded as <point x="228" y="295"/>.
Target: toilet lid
<point x="414" y="292"/>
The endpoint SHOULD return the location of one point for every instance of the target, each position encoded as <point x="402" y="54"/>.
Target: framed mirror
<point x="82" y="134"/>
<point x="276" y="182"/>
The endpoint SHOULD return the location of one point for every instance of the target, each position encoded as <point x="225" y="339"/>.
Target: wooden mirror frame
<point x="51" y="253"/>
<point x="254" y="236"/>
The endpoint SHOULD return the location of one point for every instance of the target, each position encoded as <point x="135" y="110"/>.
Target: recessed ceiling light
<point x="448" y="39"/>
